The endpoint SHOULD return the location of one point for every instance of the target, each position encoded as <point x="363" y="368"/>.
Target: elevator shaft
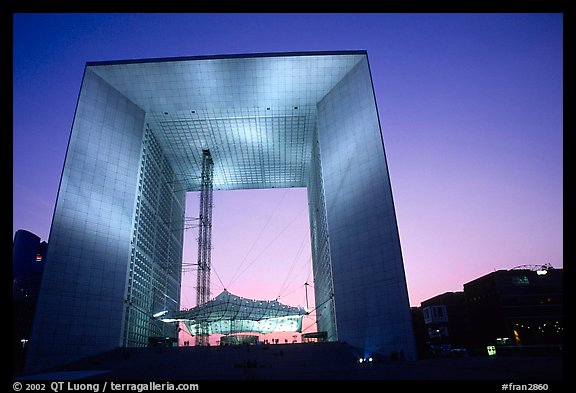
<point x="205" y="241"/>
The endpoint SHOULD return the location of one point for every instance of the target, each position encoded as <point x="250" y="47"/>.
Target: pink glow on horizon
<point x="261" y="250"/>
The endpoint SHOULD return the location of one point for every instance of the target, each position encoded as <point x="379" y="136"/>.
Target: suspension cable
<point x="218" y="277"/>
<point x="284" y="285"/>
<point x="267" y="246"/>
<point x="257" y="238"/>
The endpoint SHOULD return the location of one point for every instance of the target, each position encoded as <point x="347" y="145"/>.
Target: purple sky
<point x="471" y="113"/>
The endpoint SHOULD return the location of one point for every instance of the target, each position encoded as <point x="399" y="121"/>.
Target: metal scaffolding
<point x="204" y="241"/>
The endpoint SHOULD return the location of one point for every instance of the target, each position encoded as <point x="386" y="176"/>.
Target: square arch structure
<point x="269" y="120"/>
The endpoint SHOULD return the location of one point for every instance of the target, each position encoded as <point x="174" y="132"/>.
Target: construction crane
<point x="204" y="240"/>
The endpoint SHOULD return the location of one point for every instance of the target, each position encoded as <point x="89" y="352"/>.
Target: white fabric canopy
<point x="230" y="314"/>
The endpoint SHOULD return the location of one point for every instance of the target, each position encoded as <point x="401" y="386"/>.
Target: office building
<point x="28" y="257"/>
<point x="516" y="307"/>
<point x="275" y="120"/>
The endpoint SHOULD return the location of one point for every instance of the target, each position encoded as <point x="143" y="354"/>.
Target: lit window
<point x="520" y="280"/>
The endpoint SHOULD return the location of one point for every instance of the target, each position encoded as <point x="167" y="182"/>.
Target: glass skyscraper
<point x="28" y="255"/>
<point x="269" y="120"/>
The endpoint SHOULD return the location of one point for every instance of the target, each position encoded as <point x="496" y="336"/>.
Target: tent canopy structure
<point x="230" y="314"/>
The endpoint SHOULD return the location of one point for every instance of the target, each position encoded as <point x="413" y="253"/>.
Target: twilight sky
<point x="471" y="113"/>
